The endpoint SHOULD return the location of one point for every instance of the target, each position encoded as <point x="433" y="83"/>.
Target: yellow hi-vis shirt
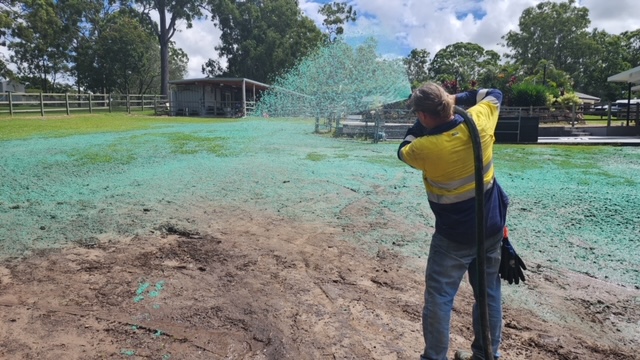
<point x="446" y="159"/>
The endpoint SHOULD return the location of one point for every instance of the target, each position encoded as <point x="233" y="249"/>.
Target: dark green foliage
<point x="463" y="63"/>
<point x="41" y="42"/>
<point x="551" y="31"/>
<point x="417" y="64"/>
<point x="336" y="14"/>
<point x="262" y="38"/>
<point x="527" y="94"/>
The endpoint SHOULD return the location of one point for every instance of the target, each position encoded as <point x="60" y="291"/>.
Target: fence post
<point x="110" y="100"/>
<point x="66" y="103"/>
<point x="573" y="115"/>
<point x="90" y="106"/>
<point x="128" y="104"/>
<point x="142" y="107"/>
<point x="609" y="114"/>
<point x="10" y="105"/>
<point x="41" y="104"/>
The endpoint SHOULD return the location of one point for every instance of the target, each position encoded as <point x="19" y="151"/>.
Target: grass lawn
<point x="63" y="125"/>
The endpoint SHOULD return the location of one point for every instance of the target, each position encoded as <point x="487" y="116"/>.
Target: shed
<point x="587" y="99"/>
<point x="218" y="96"/>
<point x="11" y="86"/>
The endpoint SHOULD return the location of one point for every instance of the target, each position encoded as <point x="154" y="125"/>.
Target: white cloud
<point x="402" y="25"/>
<point x="434" y="24"/>
<point x="199" y="43"/>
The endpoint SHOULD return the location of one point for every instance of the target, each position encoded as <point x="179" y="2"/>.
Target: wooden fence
<point x="44" y="103"/>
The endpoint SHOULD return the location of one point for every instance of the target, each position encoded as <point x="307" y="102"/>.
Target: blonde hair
<point x="432" y="100"/>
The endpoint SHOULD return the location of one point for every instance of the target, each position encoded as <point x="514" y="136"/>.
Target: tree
<point x="551" y="31"/>
<point x="178" y="62"/>
<point x="126" y="52"/>
<point x="417" y="63"/>
<point x="7" y="16"/>
<point x="336" y="14"/>
<point x="631" y="45"/>
<point x="462" y="62"/>
<point x="545" y="73"/>
<point x="41" y="42"/>
<point x="261" y="38"/>
<point x="170" y="12"/>
<point x="213" y="68"/>
<point x="607" y="55"/>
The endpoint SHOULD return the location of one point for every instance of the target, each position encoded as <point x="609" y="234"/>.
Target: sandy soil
<point x="256" y="285"/>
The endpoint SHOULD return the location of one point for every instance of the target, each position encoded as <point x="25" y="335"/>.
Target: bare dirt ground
<point x="255" y="285"/>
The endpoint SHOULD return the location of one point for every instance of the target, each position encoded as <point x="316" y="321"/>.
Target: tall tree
<point x="178" y="62"/>
<point x="607" y="55"/>
<point x="7" y="16"/>
<point x="631" y="44"/>
<point x="262" y="38"/>
<point x="170" y="12"/>
<point x="336" y="15"/>
<point x="41" y="42"/>
<point x="551" y="31"/>
<point x="545" y="73"/>
<point x="417" y="63"/>
<point x="462" y="62"/>
<point x="126" y="53"/>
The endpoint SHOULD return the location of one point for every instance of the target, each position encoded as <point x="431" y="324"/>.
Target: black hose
<point x="481" y="256"/>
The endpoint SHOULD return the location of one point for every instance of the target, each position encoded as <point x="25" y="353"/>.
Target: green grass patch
<point x="185" y="143"/>
<point x="316" y="156"/>
<point x="61" y="126"/>
<point x="112" y="155"/>
<point x="123" y="150"/>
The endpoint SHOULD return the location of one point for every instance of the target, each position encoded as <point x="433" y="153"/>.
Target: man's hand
<point x="511" y="266"/>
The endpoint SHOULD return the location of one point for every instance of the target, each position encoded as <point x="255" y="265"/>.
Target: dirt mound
<point x="255" y="285"/>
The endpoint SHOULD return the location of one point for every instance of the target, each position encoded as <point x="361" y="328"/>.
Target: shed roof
<point x="235" y="82"/>
<point x="587" y="97"/>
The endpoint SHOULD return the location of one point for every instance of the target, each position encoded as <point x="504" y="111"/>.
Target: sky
<point x="403" y="25"/>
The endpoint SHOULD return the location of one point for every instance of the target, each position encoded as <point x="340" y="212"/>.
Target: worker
<point x="439" y="145"/>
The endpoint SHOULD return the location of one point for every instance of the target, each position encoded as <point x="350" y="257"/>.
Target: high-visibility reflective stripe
<point x="450" y="199"/>
<point x="481" y="94"/>
<point x="459" y="183"/>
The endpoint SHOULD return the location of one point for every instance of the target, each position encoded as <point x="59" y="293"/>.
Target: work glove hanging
<point x="511" y="266"/>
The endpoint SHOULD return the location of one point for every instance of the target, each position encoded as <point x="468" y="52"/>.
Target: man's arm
<point x="414" y="132"/>
<point x="472" y="97"/>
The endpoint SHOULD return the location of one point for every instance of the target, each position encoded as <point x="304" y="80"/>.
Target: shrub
<point x="565" y="101"/>
<point x="527" y="94"/>
<point x="569" y="99"/>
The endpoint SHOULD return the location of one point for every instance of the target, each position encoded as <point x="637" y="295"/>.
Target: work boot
<point x="463" y="355"/>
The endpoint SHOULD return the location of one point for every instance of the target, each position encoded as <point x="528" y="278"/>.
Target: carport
<point x="630" y="77"/>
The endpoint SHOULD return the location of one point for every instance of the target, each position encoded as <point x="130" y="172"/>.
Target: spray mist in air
<point x="336" y="79"/>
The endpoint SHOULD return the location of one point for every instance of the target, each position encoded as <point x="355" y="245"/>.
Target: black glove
<point x="511" y="265"/>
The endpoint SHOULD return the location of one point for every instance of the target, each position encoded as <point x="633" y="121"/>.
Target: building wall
<point x="187" y="100"/>
<point x="11" y="86"/>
